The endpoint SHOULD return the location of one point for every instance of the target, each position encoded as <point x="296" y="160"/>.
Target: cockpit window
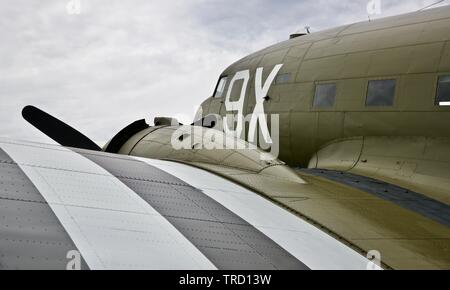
<point x="381" y="93"/>
<point x="220" y="87"/>
<point x="443" y="91"/>
<point x="325" y="95"/>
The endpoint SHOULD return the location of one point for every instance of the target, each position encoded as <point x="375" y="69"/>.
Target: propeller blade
<point x="124" y="135"/>
<point x="59" y="131"/>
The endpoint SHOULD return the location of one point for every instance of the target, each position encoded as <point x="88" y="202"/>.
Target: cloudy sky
<point x="119" y="61"/>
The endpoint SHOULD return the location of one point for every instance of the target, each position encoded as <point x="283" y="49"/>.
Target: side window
<point x="283" y="78"/>
<point x="443" y="91"/>
<point x="381" y="93"/>
<point x="220" y="87"/>
<point x="325" y="96"/>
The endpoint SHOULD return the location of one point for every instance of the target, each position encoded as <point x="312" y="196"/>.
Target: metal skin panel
<point x="306" y="242"/>
<point x="112" y="227"/>
<point x="225" y="238"/>
<point x="31" y="236"/>
<point x="416" y="163"/>
<point x="361" y="220"/>
<point x="358" y="219"/>
<point x="430" y="208"/>
<point x="158" y="144"/>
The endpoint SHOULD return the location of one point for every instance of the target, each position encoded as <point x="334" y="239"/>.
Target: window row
<point x="380" y="93"/>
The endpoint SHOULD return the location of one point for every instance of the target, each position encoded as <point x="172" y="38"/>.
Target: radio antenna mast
<point x="431" y="5"/>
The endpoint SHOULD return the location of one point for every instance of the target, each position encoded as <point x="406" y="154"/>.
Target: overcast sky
<point x="119" y="61"/>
